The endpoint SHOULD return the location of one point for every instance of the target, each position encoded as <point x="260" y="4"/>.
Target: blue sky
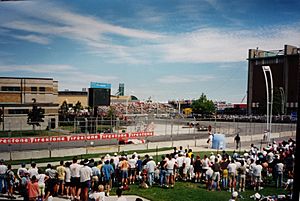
<point x="164" y="49"/>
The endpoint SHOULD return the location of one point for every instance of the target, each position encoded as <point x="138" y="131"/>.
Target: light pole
<point x="267" y="69"/>
<point x="282" y="101"/>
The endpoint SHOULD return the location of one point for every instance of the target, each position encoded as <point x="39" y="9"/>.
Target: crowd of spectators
<point x="254" y="118"/>
<point x="121" y="109"/>
<point x="93" y="180"/>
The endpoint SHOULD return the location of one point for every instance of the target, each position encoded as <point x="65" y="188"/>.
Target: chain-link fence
<point x="165" y="129"/>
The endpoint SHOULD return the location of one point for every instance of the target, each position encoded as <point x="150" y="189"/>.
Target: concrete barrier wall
<point x="114" y="148"/>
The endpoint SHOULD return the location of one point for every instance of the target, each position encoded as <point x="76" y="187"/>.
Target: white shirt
<point x="212" y="159"/>
<point x="231" y="168"/>
<point x="205" y="163"/>
<point x="116" y="161"/>
<point x="209" y="172"/>
<point x="187" y="162"/>
<point x="85" y="173"/>
<point x="33" y="171"/>
<point x="41" y="178"/>
<point x="132" y="162"/>
<point x="150" y="166"/>
<point x="3" y="169"/>
<point x="170" y="164"/>
<point x="180" y="161"/>
<point x="279" y="167"/>
<point x="98" y="196"/>
<point x="75" y="167"/>
<point x="68" y="174"/>
<point x="238" y="164"/>
<point x="257" y="170"/>
<point x="22" y="171"/>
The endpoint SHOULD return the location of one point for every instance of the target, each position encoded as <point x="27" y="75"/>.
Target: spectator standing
<point x="257" y="175"/>
<point x="124" y="165"/>
<point x="75" y="178"/>
<point x="232" y="173"/>
<point x="186" y="166"/>
<point x="61" y="171"/>
<point x="107" y="170"/>
<point x="150" y="166"/>
<point x="170" y="167"/>
<point x="33" y="189"/>
<point x="52" y="181"/>
<point x="224" y="165"/>
<point x="10" y="177"/>
<point x="162" y="171"/>
<point x="208" y="175"/>
<point x="42" y="179"/>
<point x="22" y="171"/>
<point x="85" y="180"/>
<point x="139" y="166"/>
<point x="237" y="140"/>
<point x="179" y="161"/>
<point x="216" y="167"/>
<point x="205" y="166"/>
<point x="132" y="169"/>
<point x="33" y="171"/>
<point x="95" y="176"/>
<point x="68" y="179"/>
<point x="242" y="176"/>
<point x="279" y="174"/>
<point x="197" y="169"/>
<point x="3" y="183"/>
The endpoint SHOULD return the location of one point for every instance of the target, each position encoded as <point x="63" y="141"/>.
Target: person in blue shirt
<point x="107" y="170"/>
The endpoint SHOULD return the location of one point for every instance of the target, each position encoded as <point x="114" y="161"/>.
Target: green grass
<point x="192" y="192"/>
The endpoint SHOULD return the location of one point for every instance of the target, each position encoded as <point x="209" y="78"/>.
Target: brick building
<point x="16" y="100"/>
<point x="284" y="65"/>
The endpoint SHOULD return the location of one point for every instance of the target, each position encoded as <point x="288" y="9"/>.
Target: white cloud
<point x="36" y="68"/>
<point x="215" y="45"/>
<point x="33" y="38"/>
<point x="175" y="79"/>
<point x="68" y="76"/>
<point x="200" y="46"/>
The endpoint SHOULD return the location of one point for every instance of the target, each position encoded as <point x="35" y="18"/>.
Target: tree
<point x="35" y="116"/>
<point x="64" y="110"/>
<point x="203" y="105"/>
<point x="77" y="107"/>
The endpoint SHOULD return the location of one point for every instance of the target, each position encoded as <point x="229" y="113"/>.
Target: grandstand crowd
<point x="93" y="180"/>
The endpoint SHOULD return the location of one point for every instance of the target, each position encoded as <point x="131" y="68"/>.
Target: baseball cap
<point x="234" y="194"/>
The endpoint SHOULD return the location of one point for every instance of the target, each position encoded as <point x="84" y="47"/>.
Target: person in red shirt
<point x="33" y="189"/>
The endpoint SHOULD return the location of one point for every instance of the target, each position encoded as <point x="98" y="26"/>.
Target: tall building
<point x="284" y="65"/>
<point x="16" y="100"/>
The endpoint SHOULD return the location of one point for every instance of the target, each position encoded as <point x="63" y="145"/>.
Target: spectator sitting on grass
<point x="98" y="194"/>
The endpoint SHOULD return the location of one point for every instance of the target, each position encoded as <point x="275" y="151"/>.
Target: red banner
<point x="79" y="137"/>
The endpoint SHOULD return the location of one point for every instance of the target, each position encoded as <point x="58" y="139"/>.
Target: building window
<point x="42" y="89"/>
<point x="18" y="111"/>
<point x="33" y="88"/>
<point x="11" y="88"/>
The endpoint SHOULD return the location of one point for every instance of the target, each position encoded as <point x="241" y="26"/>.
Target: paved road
<point x="165" y="131"/>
